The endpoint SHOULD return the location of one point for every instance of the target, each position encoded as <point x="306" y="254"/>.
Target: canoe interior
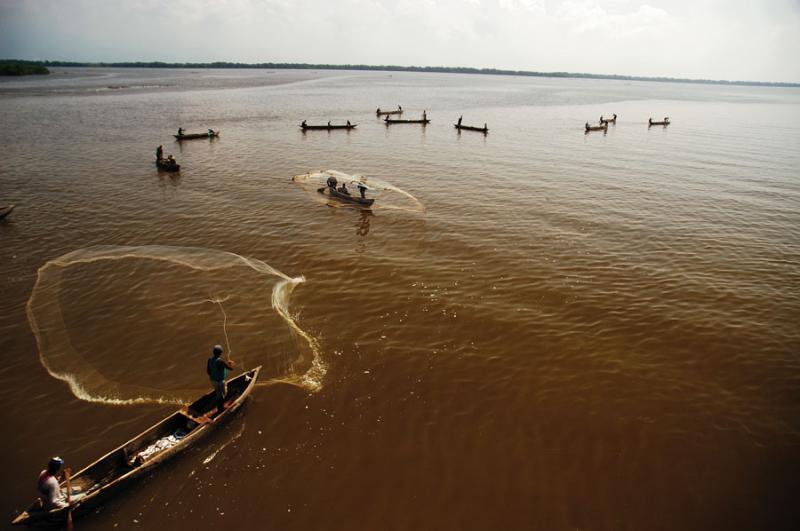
<point x="148" y="448"/>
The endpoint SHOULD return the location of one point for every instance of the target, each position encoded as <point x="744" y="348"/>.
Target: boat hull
<point x="166" y="166"/>
<point x="6" y="210"/>
<point x="112" y="472"/>
<point x="346" y="198"/>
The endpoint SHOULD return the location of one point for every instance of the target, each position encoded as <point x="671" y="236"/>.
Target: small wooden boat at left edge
<point x="6" y="210"/>
<point x="167" y="165"/>
<point x="139" y="456"/>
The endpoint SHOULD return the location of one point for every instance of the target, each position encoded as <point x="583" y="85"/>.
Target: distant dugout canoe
<point x="483" y="130"/>
<point x="389" y="121"/>
<point x="326" y="127"/>
<point x="195" y="136"/>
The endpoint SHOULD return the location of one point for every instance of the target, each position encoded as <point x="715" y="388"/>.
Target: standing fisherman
<point x="159" y="152"/>
<point x="217" y="369"/>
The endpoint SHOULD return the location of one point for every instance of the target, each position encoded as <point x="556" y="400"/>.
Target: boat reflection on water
<point x="362" y="226"/>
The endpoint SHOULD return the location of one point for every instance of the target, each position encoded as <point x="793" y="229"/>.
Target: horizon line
<point x="399" y="68"/>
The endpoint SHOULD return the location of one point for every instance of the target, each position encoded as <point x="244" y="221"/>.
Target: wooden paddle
<point x="69" y="498"/>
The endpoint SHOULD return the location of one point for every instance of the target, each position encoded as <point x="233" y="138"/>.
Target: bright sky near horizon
<point x="756" y="40"/>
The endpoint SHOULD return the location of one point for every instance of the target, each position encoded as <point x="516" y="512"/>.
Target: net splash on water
<point x="127" y="325"/>
<point x="386" y="195"/>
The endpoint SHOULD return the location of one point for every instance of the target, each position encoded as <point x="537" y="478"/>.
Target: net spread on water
<point x="124" y="325"/>
<point x="386" y="195"/>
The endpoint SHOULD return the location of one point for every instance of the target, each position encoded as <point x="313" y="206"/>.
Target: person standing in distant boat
<point x="180" y="131"/>
<point x="363" y="190"/>
<point x="399" y="107"/>
<point x="210" y="132"/>
<point x="424" y="115"/>
<point x="329" y="123"/>
<point x="48" y="485"/>
<point x="159" y="152"/>
<point x="303" y="125"/>
<point x="332" y="182"/>
<point x="217" y="369"/>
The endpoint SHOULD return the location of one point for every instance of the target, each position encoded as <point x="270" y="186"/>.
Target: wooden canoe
<point x="609" y="120"/>
<point x="602" y="127"/>
<point x="194" y="136"/>
<point x="389" y="121"/>
<point x="167" y="166"/>
<point x="664" y="122"/>
<point x="483" y="130"/>
<point x="326" y="127"/>
<point x="6" y="210"/>
<point x="389" y="113"/>
<point x="346" y="198"/>
<point x="118" y="468"/>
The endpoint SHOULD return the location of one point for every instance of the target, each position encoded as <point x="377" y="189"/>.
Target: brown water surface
<point x="532" y="329"/>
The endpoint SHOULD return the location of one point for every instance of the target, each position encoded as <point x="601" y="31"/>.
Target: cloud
<point x="736" y="39"/>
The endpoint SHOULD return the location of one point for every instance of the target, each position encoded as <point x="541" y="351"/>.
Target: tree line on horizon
<point x="394" y="68"/>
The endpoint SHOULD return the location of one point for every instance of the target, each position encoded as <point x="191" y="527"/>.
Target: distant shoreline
<point x="395" y="68"/>
<point x="22" y="68"/>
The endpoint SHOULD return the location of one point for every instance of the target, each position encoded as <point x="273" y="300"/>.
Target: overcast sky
<point x="719" y="39"/>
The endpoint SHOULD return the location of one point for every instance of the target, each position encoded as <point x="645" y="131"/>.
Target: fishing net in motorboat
<point x="386" y="195"/>
<point x="136" y="324"/>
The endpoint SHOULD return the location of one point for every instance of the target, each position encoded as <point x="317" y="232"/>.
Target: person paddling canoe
<point x="217" y="369"/>
<point x="159" y="152"/>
